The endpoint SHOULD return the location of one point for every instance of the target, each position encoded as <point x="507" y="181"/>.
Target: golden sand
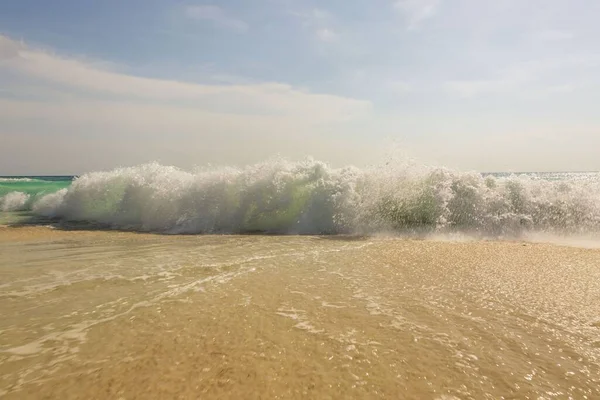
<point x="107" y="315"/>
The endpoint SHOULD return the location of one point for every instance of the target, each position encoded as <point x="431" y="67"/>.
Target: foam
<point x="14" y="201"/>
<point x="16" y="180"/>
<point x="312" y="198"/>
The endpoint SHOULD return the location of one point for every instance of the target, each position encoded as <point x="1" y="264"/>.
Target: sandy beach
<point x="299" y="200"/>
<point x="97" y="315"/>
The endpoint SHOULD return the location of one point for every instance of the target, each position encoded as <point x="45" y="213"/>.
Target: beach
<point x="299" y="200"/>
<point x="107" y="314"/>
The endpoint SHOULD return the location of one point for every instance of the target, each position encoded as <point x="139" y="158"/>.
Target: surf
<point x="310" y="197"/>
<point x="20" y="193"/>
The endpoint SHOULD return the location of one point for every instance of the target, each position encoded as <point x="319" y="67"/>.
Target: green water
<point x="34" y="185"/>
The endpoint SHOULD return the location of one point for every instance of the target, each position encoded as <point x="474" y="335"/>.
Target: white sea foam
<point x="50" y="204"/>
<point x="14" y="180"/>
<point x="310" y="197"/>
<point x="14" y="201"/>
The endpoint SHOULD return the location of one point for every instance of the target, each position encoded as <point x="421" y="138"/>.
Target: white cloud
<point x="217" y="15"/>
<point x="327" y="35"/>
<point x="320" y="22"/>
<point x="566" y="88"/>
<point x="416" y="11"/>
<point x="400" y="87"/>
<point x="9" y="49"/>
<point x="318" y="14"/>
<point x="472" y="88"/>
<point x="534" y="77"/>
<point x="312" y="17"/>
<point x="264" y="98"/>
<point x="552" y="35"/>
<point x="504" y="81"/>
<point x="131" y="119"/>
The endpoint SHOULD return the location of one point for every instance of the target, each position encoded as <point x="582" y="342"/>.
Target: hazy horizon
<point x="471" y="85"/>
<point x="42" y="175"/>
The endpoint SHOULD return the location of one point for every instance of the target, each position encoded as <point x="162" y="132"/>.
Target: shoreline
<point x="10" y="232"/>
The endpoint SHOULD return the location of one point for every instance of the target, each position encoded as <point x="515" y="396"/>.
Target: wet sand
<point x="98" y="315"/>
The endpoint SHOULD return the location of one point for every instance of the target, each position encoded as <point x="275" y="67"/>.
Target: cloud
<point x="504" y="81"/>
<point x="416" y="11"/>
<point x="216" y="15"/>
<point x="534" y="76"/>
<point x="312" y="17"/>
<point x="9" y="49"/>
<point x="88" y="80"/>
<point x="400" y="87"/>
<point x="552" y="35"/>
<point x="327" y="35"/>
<point x="320" y="22"/>
<point x="319" y="14"/>
<point x="53" y="103"/>
<point x="566" y="88"/>
<point x="472" y="88"/>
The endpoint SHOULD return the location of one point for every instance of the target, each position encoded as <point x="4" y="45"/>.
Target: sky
<point x="487" y="85"/>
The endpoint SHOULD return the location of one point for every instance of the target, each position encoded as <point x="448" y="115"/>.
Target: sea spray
<point x="14" y="201"/>
<point x="312" y="198"/>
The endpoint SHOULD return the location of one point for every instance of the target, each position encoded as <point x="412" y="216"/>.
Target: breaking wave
<point x="17" y="180"/>
<point x="311" y="198"/>
<point x="14" y="201"/>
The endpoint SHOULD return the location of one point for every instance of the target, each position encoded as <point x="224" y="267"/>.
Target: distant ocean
<point x="312" y="198"/>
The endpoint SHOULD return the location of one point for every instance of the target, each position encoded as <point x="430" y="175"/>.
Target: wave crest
<point x="14" y="201"/>
<point x="311" y="198"/>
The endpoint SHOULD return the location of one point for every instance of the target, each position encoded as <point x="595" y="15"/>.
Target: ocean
<point x="298" y="280"/>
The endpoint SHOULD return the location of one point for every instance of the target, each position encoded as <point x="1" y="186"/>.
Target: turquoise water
<point x="33" y="185"/>
<point x="18" y="193"/>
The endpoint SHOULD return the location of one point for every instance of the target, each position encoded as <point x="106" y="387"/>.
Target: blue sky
<point x="472" y="84"/>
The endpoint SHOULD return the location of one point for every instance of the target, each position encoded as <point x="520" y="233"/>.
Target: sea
<point x="296" y="280"/>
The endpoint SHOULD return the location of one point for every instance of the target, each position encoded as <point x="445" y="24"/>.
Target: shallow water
<point x="95" y="315"/>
